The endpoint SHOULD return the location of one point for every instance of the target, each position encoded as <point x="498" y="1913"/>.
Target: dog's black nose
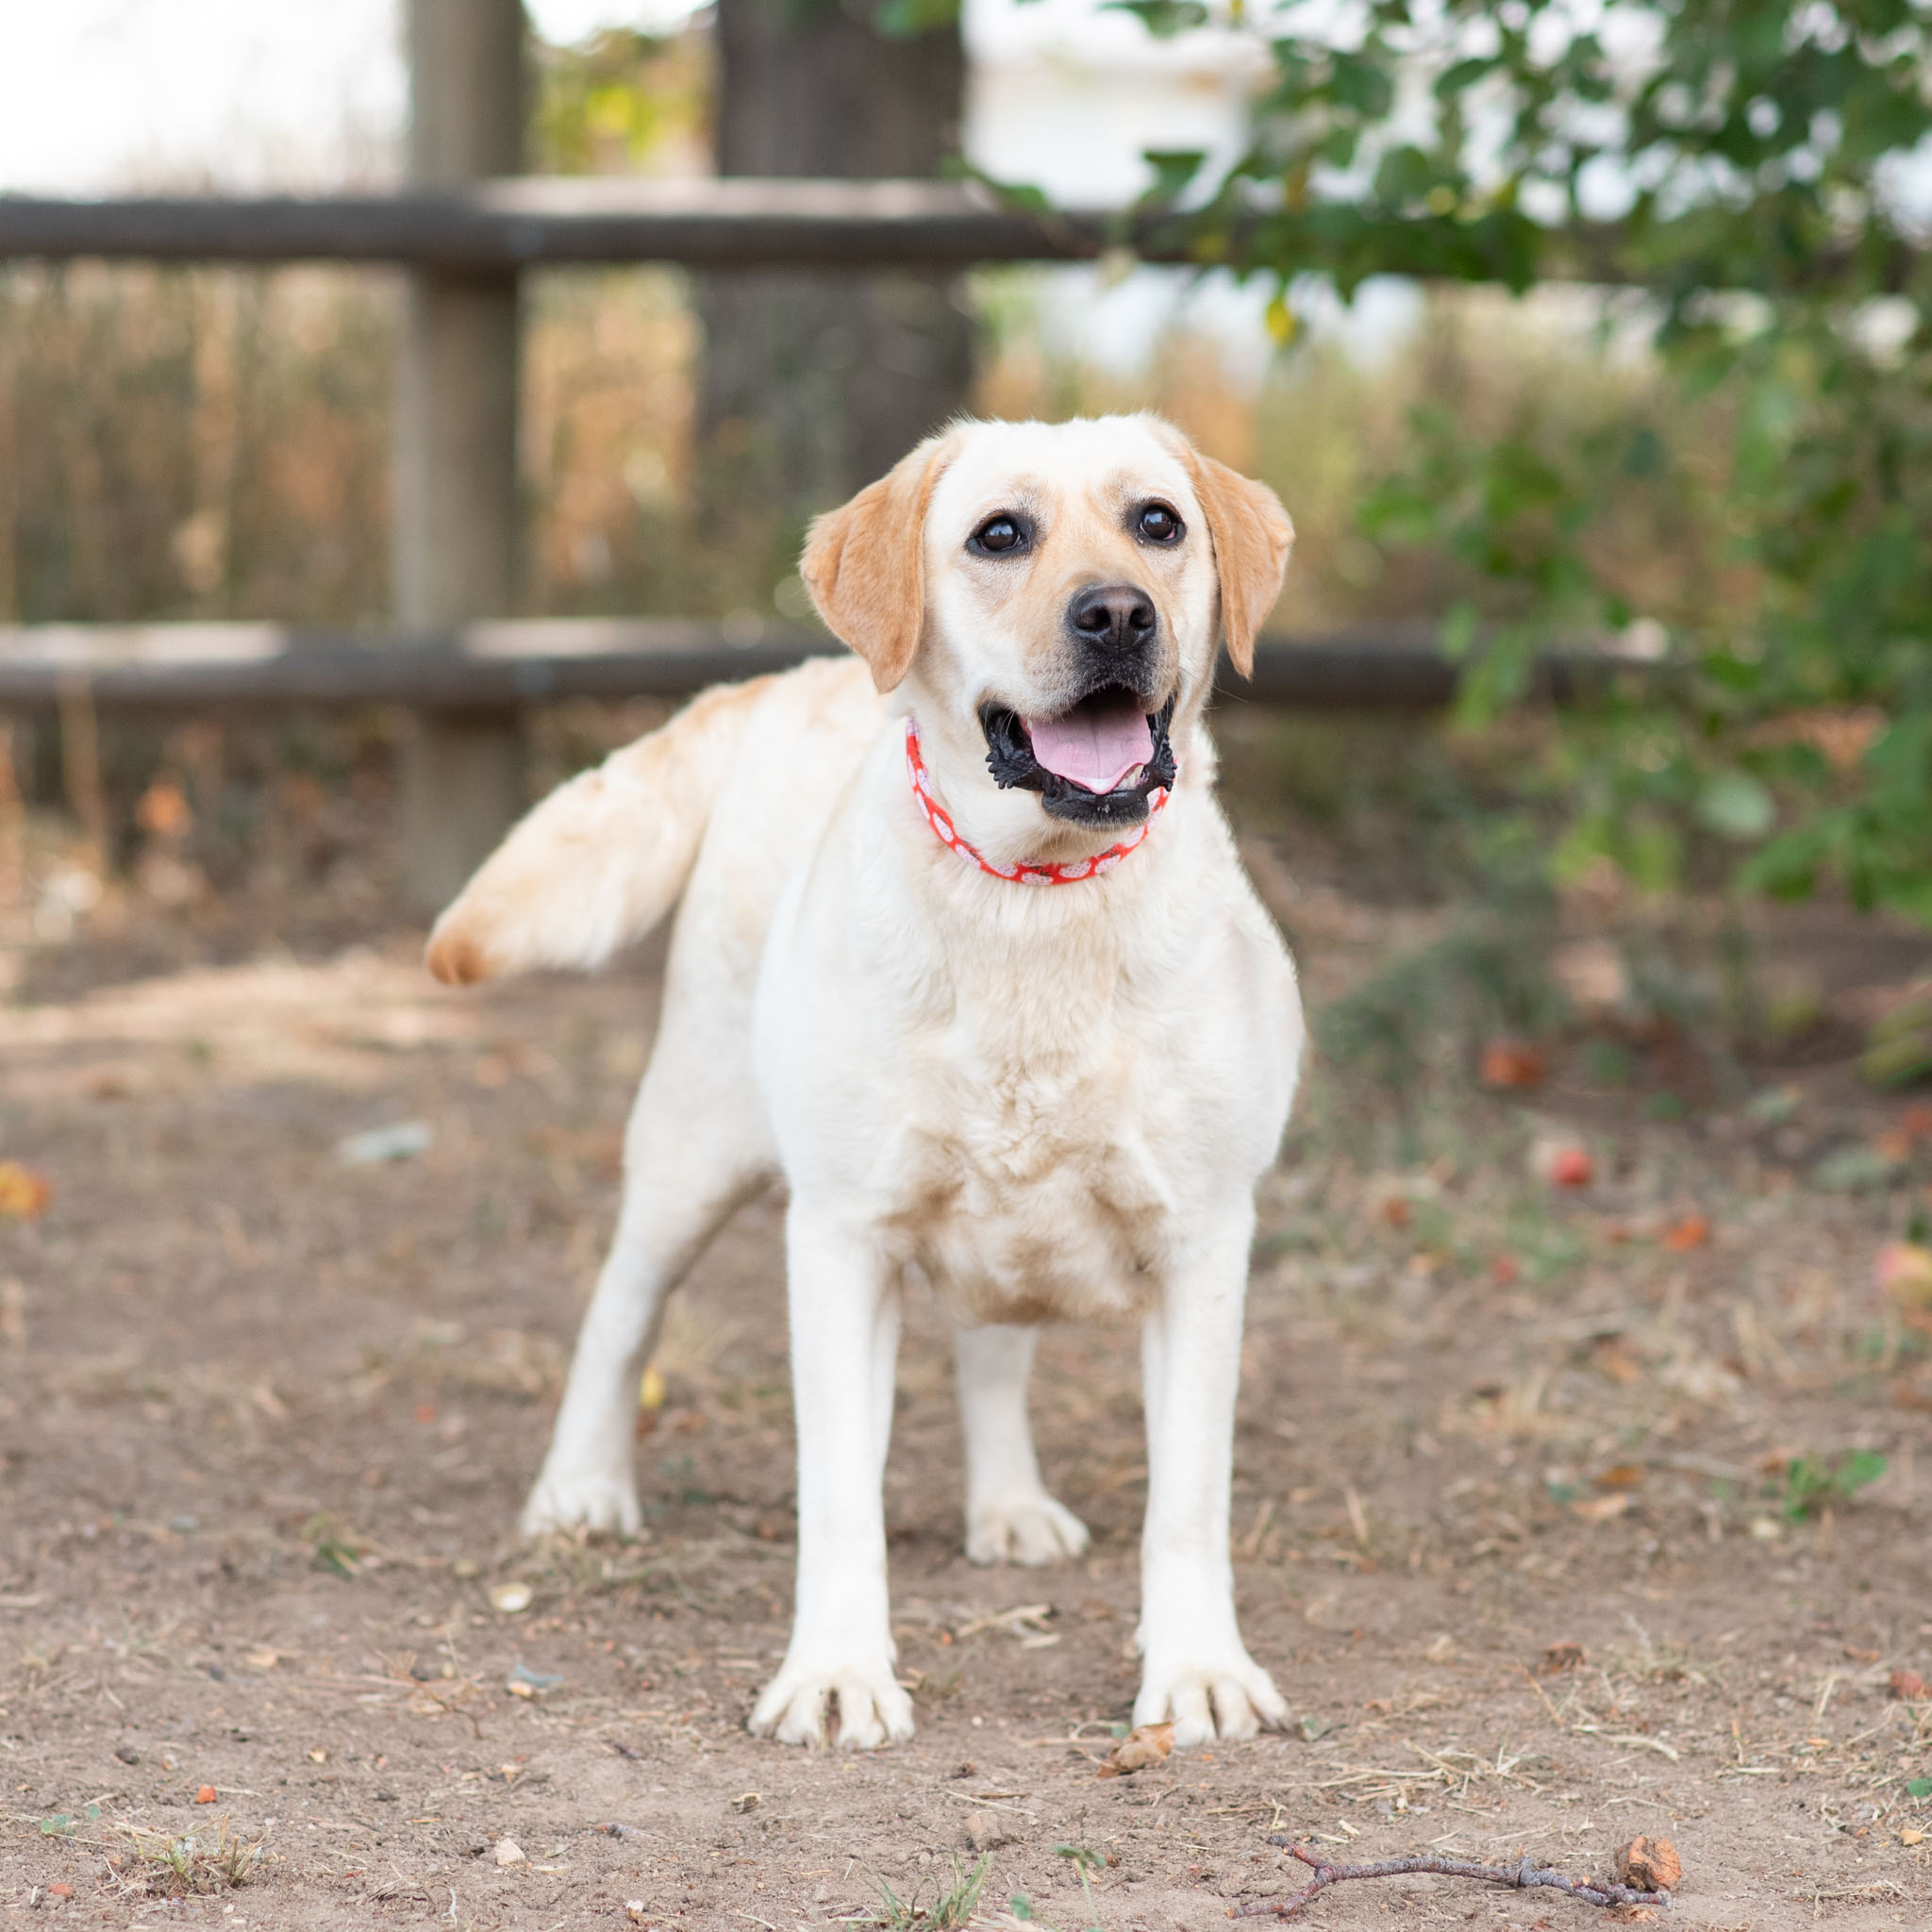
<point x="1115" y="615"/>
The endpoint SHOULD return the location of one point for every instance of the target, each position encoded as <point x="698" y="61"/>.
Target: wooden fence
<point x="503" y="664"/>
<point x="464" y="243"/>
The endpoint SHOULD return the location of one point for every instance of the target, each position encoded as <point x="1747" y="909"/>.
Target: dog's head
<point x="1054" y="595"/>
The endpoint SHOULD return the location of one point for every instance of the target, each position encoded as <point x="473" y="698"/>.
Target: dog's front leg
<point x="844" y="1345"/>
<point x="1009" y="1516"/>
<point x="1195" y="1669"/>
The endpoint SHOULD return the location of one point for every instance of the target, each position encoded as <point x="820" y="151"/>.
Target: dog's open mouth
<point x="1095" y="764"/>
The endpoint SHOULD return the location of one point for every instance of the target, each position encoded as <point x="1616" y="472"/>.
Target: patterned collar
<point x="1027" y="872"/>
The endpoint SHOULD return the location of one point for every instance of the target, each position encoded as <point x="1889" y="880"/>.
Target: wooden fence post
<point x="817" y="381"/>
<point x="458" y="517"/>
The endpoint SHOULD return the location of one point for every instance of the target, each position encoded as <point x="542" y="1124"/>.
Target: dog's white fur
<point x="1049" y="1102"/>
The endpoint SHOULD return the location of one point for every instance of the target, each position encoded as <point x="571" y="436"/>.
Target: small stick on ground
<point x="1523" y="1877"/>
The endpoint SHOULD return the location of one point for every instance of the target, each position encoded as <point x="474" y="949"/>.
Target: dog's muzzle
<point x="1096" y="763"/>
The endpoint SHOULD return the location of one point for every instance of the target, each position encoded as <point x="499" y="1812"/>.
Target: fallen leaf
<point x="1600" y="1508"/>
<point x="747" y="1801"/>
<point x="1622" y="1476"/>
<point x="524" y="1682"/>
<point x="1615" y="1360"/>
<point x="205" y="1795"/>
<point x="23" y="1194"/>
<point x="1648" y="1864"/>
<point x="509" y="1853"/>
<point x="1144" y="1745"/>
<point x="1564" y="1654"/>
<point x="1692" y="1232"/>
<point x="1510" y="1063"/>
<point x="1504" y="1270"/>
<point x="651" y="1389"/>
<point x="987" y="1831"/>
<point x="1903" y="1274"/>
<point x="1908" y="1685"/>
<point x="1395" y="1211"/>
<point x="1910" y="1837"/>
<point x="1562" y="1163"/>
<point x="59" y="1891"/>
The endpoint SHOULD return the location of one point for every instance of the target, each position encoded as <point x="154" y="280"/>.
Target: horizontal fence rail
<point x="499" y="226"/>
<point x="532" y="221"/>
<point x="503" y="665"/>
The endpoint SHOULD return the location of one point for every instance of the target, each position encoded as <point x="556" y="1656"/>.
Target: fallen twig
<point x="1523" y="1876"/>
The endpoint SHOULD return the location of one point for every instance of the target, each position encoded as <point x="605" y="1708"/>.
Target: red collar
<point x="1027" y="872"/>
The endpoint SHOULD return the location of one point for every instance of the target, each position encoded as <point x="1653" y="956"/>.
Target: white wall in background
<point x="99" y="96"/>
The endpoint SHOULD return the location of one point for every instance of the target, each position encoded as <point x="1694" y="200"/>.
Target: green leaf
<point x="1855" y="1170"/>
<point x="1020" y="196"/>
<point x="1174" y="171"/>
<point x="1734" y="806"/>
<point x="1163" y="19"/>
<point x="904" y="18"/>
<point x="1919" y="1787"/>
<point x="1861" y="1467"/>
<point x="1459" y="631"/>
<point x="1810" y="1483"/>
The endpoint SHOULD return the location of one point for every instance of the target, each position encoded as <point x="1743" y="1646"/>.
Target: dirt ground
<point x="266" y="1419"/>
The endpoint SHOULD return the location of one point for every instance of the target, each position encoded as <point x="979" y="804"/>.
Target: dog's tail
<point x="604" y="857"/>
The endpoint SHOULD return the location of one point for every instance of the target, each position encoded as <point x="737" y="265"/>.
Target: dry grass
<point x="215" y="443"/>
<point x="203" y="1861"/>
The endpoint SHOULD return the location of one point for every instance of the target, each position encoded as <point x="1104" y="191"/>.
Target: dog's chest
<point x="1030" y="1188"/>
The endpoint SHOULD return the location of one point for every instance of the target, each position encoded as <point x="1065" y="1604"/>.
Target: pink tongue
<point x="1096" y="750"/>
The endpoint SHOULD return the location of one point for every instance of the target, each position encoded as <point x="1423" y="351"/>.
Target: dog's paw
<point x="568" y="1501"/>
<point x="855" y="1705"/>
<point x="1024" y="1530"/>
<point x="1209" y="1698"/>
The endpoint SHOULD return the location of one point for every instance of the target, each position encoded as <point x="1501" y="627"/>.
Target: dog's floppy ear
<point x="864" y="564"/>
<point x="1251" y="537"/>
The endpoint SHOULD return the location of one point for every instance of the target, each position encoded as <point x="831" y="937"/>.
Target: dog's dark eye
<point x="999" y="535"/>
<point x="1158" y="522"/>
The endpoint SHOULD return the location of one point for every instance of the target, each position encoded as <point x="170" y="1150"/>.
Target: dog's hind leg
<point x="1009" y="1516"/>
<point x="693" y="1151"/>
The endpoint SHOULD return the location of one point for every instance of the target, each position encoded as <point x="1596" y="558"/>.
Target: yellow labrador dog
<point x="965" y="954"/>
